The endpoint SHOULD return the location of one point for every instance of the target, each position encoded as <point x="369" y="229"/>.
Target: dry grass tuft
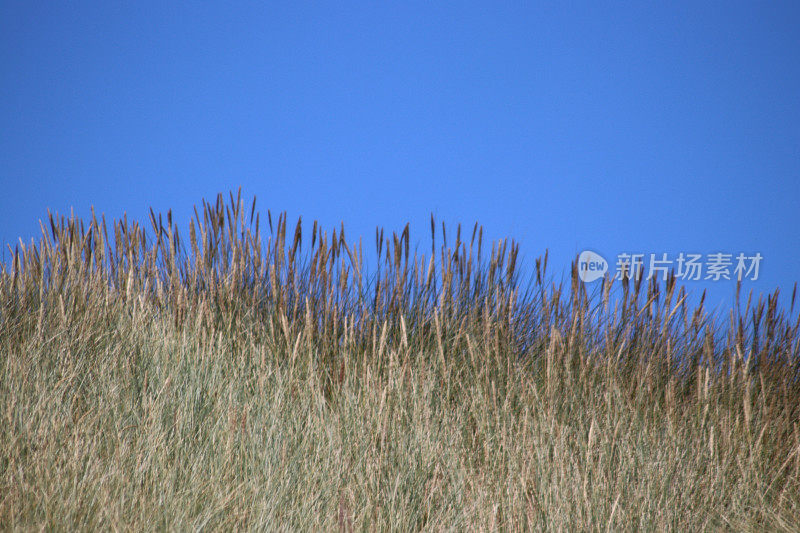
<point x="240" y="380"/>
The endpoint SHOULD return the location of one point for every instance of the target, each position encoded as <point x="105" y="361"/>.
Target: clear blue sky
<point x="615" y="127"/>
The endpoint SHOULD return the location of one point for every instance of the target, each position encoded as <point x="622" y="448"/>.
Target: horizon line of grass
<point x="229" y="271"/>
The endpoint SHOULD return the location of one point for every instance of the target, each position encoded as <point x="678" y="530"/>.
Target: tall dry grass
<point x="258" y="376"/>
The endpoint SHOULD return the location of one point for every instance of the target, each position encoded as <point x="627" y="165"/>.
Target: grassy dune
<point x="254" y="376"/>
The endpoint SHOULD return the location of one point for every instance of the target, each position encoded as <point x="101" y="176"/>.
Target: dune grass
<point x="255" y="377"/>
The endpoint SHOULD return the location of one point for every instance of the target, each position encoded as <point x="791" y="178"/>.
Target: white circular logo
<point x="591" y="266"/>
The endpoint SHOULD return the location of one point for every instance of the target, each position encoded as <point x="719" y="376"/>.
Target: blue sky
<point x="615" y="127"/>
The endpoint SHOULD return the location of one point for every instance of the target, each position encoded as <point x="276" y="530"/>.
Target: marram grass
<point x="258" y="377"/>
